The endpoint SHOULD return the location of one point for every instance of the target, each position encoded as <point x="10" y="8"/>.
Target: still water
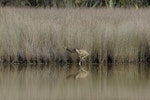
<point x="71" y="82"/>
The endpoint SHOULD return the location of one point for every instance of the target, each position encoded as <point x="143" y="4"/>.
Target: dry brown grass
<point x="38" y="35"/>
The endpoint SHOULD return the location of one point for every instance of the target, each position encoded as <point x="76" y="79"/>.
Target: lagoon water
<point x="49" y="82"/>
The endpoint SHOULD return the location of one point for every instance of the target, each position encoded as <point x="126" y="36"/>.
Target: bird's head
<point x="64" y="47"/>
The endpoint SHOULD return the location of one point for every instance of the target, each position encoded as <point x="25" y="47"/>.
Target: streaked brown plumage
<point x="80" y="52"/>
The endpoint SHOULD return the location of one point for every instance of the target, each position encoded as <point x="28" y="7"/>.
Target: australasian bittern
<point x="82" y="54"/>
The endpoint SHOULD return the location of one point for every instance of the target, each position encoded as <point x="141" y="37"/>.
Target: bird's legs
<point x="80" y="60"/>
<point x="80" y="63"/>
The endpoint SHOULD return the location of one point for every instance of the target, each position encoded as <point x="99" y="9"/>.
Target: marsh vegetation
<point x="40" y="49"/>
<point x="109" y="35"/>
<point x="76" y="3"/>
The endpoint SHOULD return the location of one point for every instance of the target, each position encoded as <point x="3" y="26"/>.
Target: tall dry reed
<point x="38" y="35"/>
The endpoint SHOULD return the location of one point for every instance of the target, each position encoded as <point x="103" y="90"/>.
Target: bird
<point x="82" y="73"/>
<point x="82" y="54"/>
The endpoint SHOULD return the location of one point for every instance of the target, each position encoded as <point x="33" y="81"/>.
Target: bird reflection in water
<point x="82" y="73"/>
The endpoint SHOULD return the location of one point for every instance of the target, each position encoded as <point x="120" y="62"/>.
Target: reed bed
<point x="109" y="35"/>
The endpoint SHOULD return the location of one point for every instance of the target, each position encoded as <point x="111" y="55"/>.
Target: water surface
<point x="50" y="82"/>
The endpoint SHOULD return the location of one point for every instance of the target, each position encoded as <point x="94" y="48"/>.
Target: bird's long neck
<point x="77" y="51"/>
<point x="68" y="49"/>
